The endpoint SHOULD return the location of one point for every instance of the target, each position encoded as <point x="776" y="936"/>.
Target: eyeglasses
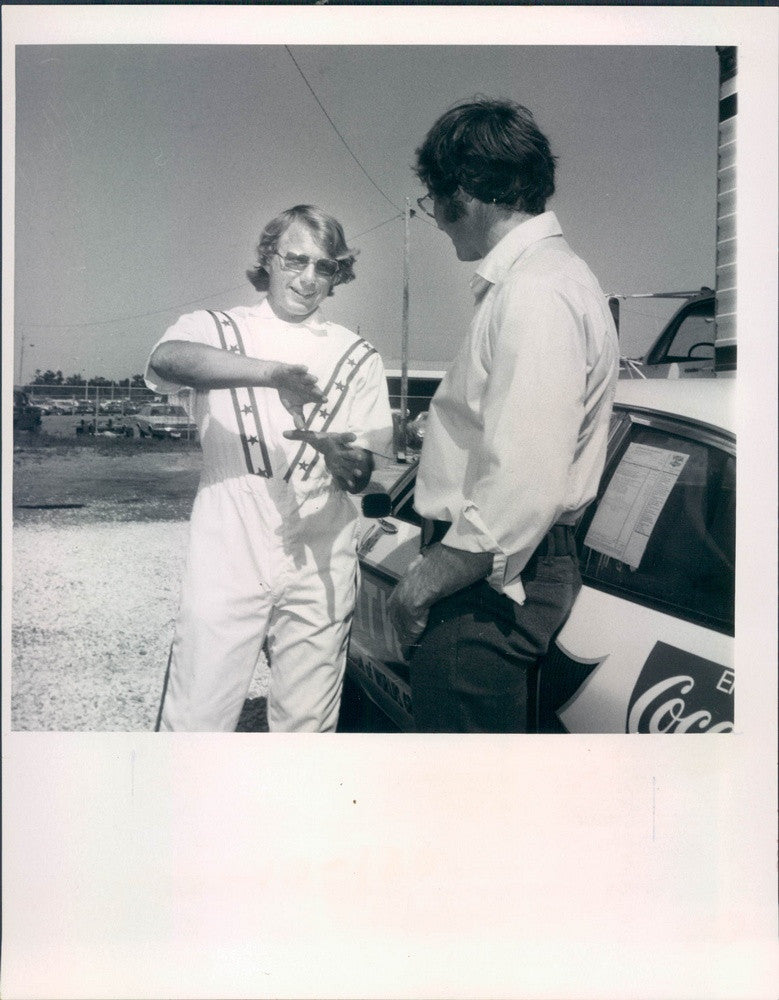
<point x="325" y="267"/>
<point x="427" y="205"/>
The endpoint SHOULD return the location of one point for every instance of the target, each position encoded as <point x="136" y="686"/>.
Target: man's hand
<point x="407" y="615"/>
<point x="350" y="467"/>
<point x="296" y="387"/>
<point x="440" y="572"/>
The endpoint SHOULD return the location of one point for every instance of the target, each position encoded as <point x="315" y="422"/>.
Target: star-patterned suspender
<point x="323" y="414"/>
<point x="255" y="449"/>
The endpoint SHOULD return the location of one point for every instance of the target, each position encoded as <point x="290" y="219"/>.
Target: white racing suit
<point x="272" y="545"/>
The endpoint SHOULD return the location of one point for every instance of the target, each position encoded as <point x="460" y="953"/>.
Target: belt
<point x="558" y="541"/>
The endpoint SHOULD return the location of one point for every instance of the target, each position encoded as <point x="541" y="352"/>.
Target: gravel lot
<point x="95" y="587"/>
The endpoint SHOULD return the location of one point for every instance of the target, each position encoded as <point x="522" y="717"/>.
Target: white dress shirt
<point x="516" y="436"/>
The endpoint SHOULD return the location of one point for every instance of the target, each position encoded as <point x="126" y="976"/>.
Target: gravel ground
<point x="93" y="610"/>
<point x="99" y="543"/>
<point x="96" y="588"/>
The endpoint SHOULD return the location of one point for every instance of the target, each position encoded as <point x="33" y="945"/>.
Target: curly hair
<point x="493" y="150"/>
<point x="326" y="230"/>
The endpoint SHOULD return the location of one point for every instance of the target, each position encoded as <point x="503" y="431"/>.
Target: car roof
<point x="708" y="400"/>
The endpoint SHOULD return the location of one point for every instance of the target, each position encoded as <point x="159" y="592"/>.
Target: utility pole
<point x="404" y="338"/>
<point x="21" y="359"/>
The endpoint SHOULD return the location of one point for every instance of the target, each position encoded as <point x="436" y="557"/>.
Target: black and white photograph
<point x="406" y="377"/>
<point x="160" y="158"/>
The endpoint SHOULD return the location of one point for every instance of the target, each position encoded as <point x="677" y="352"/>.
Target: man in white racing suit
<point x="272" y="544"/>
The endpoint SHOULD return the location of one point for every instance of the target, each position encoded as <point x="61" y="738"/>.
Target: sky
<point x="145" y="173"/>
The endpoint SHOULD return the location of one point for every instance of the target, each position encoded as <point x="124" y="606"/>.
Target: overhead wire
<point x="335" y="129"/>
<point x="379" y="226"/>
<point x="124" y="319"/>
<point x="235" y="288"/>
<point x="349" y="150"/>
<point x="179" y="305"/>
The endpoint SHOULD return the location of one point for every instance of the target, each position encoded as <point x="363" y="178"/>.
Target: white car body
<point x="621" y="663"/>
<point x="64" y="406"/>
<point x="164" y="420"/>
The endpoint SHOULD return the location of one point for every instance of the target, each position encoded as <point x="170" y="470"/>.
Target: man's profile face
<point x="294" y="295"/>
<point x="454" y="216"/>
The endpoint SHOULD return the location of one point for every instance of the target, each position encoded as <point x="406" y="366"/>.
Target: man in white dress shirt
<point x="272" y="547"/>
<point x="516" y="436"/>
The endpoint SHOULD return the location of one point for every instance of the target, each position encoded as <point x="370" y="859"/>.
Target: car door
<point x="648" y="646"/>
<point x="649" y="643"/>
<point x="386" y="547"/>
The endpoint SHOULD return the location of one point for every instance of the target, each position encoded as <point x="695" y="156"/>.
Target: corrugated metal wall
<point x="725" y="312"/>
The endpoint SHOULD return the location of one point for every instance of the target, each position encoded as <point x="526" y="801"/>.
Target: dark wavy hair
<point x="327" y="231"/>
<point x="493" y="150"/>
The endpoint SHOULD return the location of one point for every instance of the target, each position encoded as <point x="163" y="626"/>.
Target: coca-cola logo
<point x="679" y="692"/>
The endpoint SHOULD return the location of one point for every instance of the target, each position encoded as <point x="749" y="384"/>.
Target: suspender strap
<point x="247" y="416"/>
<point x="323" y="414"/>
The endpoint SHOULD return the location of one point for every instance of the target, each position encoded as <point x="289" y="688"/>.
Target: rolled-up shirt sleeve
<point x="197" y="328"/>
<point x="515" y="483"/>
<point x="370" y="416"/>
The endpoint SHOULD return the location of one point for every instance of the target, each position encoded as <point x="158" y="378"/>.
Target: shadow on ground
<point x="254" y="716"/>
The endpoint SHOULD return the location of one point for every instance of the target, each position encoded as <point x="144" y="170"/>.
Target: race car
<point x="648" y="646"/>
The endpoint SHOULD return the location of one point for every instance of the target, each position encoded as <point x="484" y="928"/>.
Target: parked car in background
<point x="164" y="420"/>
<point x="63" y="406"/>
<point x="43" y="405"/>
<point x="685" y="346"/>
<point x="27" y="417"/>
<point x="648" y="646"/>
<point x="105" y="428"/>
<point x="112" y="406"/>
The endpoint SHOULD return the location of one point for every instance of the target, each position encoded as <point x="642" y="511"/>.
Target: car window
<point x="168" y="411"/>
<point x="401" y="493"/>
<point x="695" y="329"/>
<point x="662" y="530"/>
<point x="688" y="336"/>
<point x="405" y="512"/>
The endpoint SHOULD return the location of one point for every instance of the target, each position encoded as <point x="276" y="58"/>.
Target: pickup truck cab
<point x="685" y="347"/>
<point x="27" y="417"/>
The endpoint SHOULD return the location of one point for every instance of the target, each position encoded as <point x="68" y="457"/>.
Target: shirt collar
<point x="316" y="321"/>
<point x="496" y="264"/>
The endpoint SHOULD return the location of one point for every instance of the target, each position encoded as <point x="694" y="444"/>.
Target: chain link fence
<point x="103" y="399"/>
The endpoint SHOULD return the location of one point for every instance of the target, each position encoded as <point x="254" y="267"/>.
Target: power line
<point x="414" y="214"/>
<point x="179" y="305"/>
<point x="422" y="218"/>
<point x="124" y="319"/>
<point x="335" y="129"/>
<point x="235" y="288"/>
<point x="374" y="228"/>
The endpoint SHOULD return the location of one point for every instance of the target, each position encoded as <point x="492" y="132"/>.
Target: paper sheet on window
<point x="633" y="501"/>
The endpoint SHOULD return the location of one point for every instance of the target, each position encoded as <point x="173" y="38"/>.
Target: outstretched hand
<point x="296" y="387"/>
<point x="350" y="467"/>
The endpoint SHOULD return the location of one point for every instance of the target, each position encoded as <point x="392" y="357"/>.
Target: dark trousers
<point x="475" y="669"/>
